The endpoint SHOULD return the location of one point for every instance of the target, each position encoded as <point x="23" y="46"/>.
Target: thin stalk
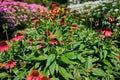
<point x="91" y="25"/>
<point x="6" y="34"/>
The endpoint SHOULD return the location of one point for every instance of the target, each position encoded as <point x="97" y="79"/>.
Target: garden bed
<point x="56" y="44"/>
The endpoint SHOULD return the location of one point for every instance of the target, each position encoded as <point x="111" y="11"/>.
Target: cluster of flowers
<point x="34" y="75"/>
<point x="16" y="12"/>
<point x="87" y="6"/>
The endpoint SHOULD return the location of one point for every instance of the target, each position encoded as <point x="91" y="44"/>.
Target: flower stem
<point x="91" y="25"/>
<point x="6" y="35"/>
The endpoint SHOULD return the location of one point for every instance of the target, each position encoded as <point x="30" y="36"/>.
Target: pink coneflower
<point x="52" y="36"/>
<point x="47" y="33"/>
<point x="53" y="42"/>
<point x="69" y="41"/>
<point x="1" y="65"/>
<point x="62" y="42"/>
<point x="34" y="75"/>
<point x="103" y="37"/>
<point x="41" y="46"/>
<point x="18" y="37"/>
<point x="74" y="27"/>
<point x="35" y="20"/>
<point x="10" y="64"/>
<point x="118" y="57"/>
<point x="62" y="21"/>
<point x="4" y="46"/>
<point x="107" y="32"/>
<point x="39" y="40"/>
<point x="53" y="19"/>
<point x="44" y="78"/>
<point x="30" y="41"/>
<point x="53" y="5"/>
<point x="111" y="19"/>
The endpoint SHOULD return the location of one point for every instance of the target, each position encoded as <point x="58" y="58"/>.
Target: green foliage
<point x="72" y="53"/>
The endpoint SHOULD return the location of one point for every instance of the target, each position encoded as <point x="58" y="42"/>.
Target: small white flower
<point x="118" y="24"/>
<point x="116" y="10"/>
<point x="118" y="18"/>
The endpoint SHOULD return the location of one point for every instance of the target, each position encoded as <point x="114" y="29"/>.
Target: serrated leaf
<point x="64" y="73"/>
<point x="50" y="60"/>
<point x="98" y="72"/>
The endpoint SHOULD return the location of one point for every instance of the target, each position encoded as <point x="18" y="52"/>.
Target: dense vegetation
<point x="58" y="43"/>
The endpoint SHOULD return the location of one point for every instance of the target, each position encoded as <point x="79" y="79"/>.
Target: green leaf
<point x="77" y="74"/>
<point x="66" y="60"/>
<point x="101" y="55"/>
<point x="95" y="59"/>
<point x="37" y="65"/>
<point x="70" y="55"/>
<point x="52" y="67"/>
<point x="54" y="78"/>
<point x="107" y="63"/>
<point x="40" y="58"/>
<point x="46" y="49"/>
<point x="65" y="74"/>
<point x="105" y="53"/>
<point x="82" y="59"/>
<point x="76" y="46"/>
<point x="96" y="49"/>
<point x="82" y="46"/>
<point x="3" y="75"/>
<point x="56" y="68"/>
<point x="16" y="71"/>
<point x="50" y="60"/>
<point x="60" y="50"/>
<point x="98" y="72"/>
<point x="27" y="57"/>
<point x="89" y="63"/>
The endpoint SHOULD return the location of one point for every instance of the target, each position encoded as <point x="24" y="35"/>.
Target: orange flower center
<point x="3" y="43"/>
<point x="31" y="39"/>
<point x="35" y="73"/>
<point x="45" y="78"/>
<point x="9" y="62"/>
<point x="19" y="34"/>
